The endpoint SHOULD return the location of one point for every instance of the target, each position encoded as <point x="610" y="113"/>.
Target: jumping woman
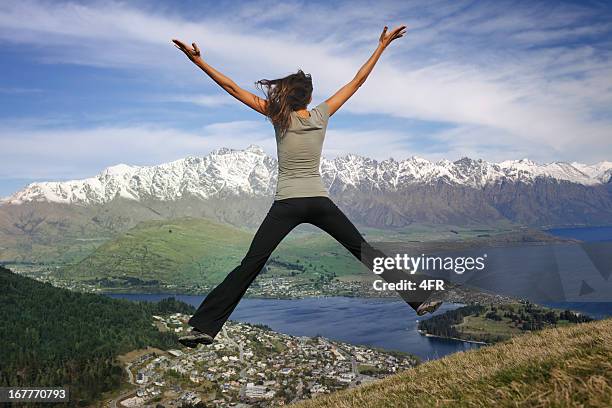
<point x="301" y="196"/>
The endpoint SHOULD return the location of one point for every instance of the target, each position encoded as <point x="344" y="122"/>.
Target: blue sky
<point x="86" y="85"/>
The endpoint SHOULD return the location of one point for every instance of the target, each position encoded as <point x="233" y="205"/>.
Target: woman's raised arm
<point x="337" y="100"/>
<point x="244" y="96"/>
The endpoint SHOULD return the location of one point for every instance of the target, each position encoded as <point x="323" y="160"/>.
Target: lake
<point x="598" y="310"/>
<point x="587" y="234"/>
<point x="388" y="324"/>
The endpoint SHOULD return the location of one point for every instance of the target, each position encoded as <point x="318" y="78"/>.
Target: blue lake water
<point x="587" y="234"/>
<point x="598" y="310"/>
<point x="388" y="324"/>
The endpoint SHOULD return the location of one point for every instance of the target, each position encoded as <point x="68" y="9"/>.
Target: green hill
<point x="497" y="322"/>
<point x="54" y="337"/>
<point x="172" y="251"/>
<point x="193" y="254"/>
<point x="191" y="251"/>
<point x="560" y="367"/>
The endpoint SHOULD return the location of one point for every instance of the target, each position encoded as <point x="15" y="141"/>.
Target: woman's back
<point x="299" y="155"/>
<point x="299" y="141"/>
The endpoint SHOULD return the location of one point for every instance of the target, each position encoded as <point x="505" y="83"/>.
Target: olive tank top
<point x="299" y="155"/>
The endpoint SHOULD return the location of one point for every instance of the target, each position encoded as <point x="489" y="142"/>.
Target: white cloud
<point x="77" y="153"/>
<point x="207" y="100"/>
<point x="493" y="70"/>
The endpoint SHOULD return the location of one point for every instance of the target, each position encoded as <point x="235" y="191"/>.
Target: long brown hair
<point x="285" y="95"/>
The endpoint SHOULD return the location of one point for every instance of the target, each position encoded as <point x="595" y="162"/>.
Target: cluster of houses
<point x="287" y="287"/>
<point x="252" y="365"/>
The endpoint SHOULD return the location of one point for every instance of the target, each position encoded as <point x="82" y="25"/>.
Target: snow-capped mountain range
<point x="251" y="172"/>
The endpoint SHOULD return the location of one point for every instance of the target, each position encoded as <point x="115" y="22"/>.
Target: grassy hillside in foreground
<point x="566" y="366"/>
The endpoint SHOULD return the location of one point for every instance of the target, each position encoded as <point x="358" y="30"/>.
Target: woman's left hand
<point x="191" y="53"/>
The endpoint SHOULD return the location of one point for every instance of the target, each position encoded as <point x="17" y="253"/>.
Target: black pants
<point x="284" y="215"/>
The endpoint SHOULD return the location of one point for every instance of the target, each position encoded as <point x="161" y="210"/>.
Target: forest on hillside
<point x="57" y="338"/>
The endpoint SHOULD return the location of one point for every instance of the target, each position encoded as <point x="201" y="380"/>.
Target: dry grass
<point x="134" y="354"/>
<point x="568" y="366"/>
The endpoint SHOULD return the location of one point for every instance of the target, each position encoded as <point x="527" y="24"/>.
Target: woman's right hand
<point x="193" y="53"/>
<point x="386" y="38"/>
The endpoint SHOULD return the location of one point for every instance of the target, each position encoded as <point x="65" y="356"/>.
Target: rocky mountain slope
<point x="237" y="187"/>
<point x="250" y="172"/>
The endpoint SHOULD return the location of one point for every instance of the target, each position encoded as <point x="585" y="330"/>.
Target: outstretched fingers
<point x="179" y="44"/>
<point x="188" y="50"/>
<point x="399" y="32"/>
<point x="387" y="37"/>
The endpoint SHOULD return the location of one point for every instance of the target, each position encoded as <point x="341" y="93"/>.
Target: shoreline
<point x="424" y="333"/>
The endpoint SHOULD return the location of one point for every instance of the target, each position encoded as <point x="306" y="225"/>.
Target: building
<point x="255" y="391"/>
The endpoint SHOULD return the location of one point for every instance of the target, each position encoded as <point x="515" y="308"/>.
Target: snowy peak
<point x="236" y="172"/>
<point x="119" y="169"/>
<point x="250" y="172"/>
<point x="577" y="173"/>
<point x="255" y="149"/>
<point x="601" y="171"/>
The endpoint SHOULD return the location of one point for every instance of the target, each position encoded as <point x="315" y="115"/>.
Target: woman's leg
<point x="284" y="215"/>
<point x="327" y="216"/>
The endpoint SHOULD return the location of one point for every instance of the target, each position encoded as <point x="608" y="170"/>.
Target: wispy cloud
<point x="528" y="79"/>
<point x="207" y="100"/>
<point x="49" y="154"/>
<point x="79" y="153"/>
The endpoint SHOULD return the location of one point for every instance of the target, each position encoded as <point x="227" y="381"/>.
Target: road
<point x="115" y="402"/>
<point x="241" y="353"/>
